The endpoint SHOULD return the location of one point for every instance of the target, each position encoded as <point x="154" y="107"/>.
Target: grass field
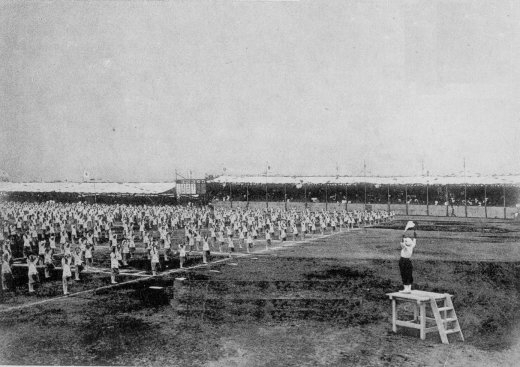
<point x="321" y="302"/>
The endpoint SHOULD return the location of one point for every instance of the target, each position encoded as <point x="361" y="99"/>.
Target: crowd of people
<point x="50" y="234"/>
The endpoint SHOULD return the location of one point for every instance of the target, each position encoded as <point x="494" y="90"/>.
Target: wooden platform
<point x="445" y="319"/>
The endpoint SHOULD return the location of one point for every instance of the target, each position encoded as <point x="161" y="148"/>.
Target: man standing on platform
<point x="405" y="264"/>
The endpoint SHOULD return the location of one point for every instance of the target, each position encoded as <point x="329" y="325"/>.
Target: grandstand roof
<point x="89" y="187"/>
<point x="351" y="180"/>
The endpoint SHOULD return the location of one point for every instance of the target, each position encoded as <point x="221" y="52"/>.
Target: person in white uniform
<point x="405" y="264"/>
<point x="154" y="255"/>
<point x="114" y="266"/>
<point x="78" y="262"/>
<point x="182" y="254"/>
<point x="205" y="250"/>
<point x="7" y="274"/>
<point x="48" y="261"/>
<point x="66" y="273"/>
<point x="32" y="273"/>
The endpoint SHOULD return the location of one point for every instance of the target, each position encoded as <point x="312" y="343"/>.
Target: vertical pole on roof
<point x="406" y="197"/>
<point x="504" y="192"/>
<point x="485" y="201"/>
<point x="230" y="195"/>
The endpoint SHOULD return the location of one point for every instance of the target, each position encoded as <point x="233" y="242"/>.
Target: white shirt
<point x="407" y="246"/>
<point x="77" y="258"/>
<point x="113" y="261"/>
<point x="155" y="255"/>
<point x="32" y="267"/>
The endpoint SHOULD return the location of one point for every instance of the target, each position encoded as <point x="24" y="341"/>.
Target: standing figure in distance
<point x="66" y="273"/>
<point x="405" y="264"/>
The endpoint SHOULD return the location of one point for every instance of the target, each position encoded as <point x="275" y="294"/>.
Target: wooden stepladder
<point x="444" y="316"/>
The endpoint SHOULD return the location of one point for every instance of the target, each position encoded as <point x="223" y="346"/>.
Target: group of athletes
<point x="71" y="233"/>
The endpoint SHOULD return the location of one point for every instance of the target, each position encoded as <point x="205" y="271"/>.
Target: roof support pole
<point x="247" y="196"/>
<point x="504" y="193"/>
<point x="365" y="194"/>
<point x="266" y="202"/>
<point x="285" y="195"/>
<point x="365" y="179"/>
<point x="406" y="197"/>
<point x="305" y="191"/>
<point x="465" y="191"/>
<point x="388" y="196"/>
<point x="326" y="197"/>
<point x="447" y="201"/>
<point x="427" y="193"/>
<point x="485" y="201"/>
<point x="346" y="198"/>
<point x="465" y="200"/>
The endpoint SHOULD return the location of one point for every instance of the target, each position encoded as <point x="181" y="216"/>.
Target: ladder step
<point x="447" y="308"/>
<point x="451" y="331"/>
<point x="449" y="319"/>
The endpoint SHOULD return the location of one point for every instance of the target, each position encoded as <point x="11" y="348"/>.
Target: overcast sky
<point x="133" y="90"/>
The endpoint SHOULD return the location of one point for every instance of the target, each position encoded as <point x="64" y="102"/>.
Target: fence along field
<point x="399" y="209"/>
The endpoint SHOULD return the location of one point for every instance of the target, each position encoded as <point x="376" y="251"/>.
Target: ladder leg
<point x="439" y="321"/>
<point x="444" y="314"/>
<point x="394" y="316"/>
<point x="457" y="325"/>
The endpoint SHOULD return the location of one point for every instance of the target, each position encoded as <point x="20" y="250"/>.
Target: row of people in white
<point x="247" y="224"/>
<point x="63" y="218"/>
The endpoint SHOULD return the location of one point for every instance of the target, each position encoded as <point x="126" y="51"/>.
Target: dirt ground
<point x="317" y="303"/>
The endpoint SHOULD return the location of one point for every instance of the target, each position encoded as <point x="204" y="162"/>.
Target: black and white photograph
<point x="260" y="183"/>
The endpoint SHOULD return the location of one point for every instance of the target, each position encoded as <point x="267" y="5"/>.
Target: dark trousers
<point x="406" y="268"/>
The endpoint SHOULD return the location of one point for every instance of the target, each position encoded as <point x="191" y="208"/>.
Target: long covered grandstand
<point x="473" y="196"/>
<point x="102" y="192"/>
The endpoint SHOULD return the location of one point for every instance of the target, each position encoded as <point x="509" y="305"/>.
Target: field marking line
<point x="172" y="271"/>
<point x="287" y="244"/>
<point x="120" y="273"/>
